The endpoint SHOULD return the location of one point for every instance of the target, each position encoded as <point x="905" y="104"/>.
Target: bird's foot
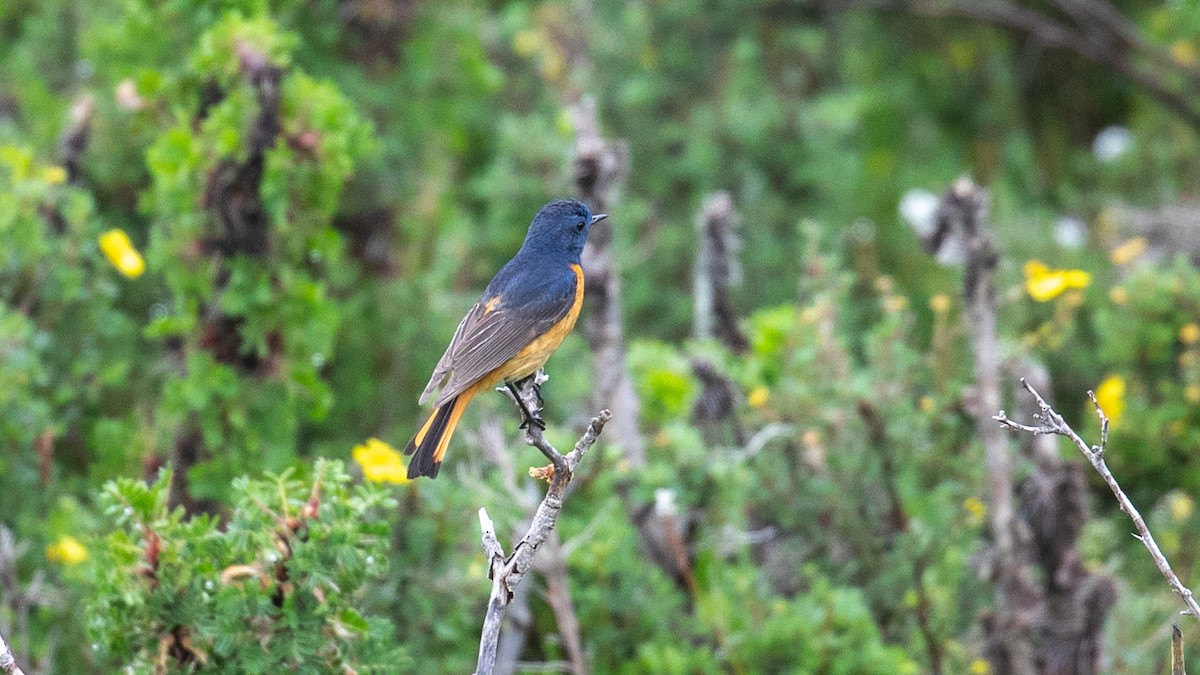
<point x="534" y="419"/>
<point x="528" y="416"/>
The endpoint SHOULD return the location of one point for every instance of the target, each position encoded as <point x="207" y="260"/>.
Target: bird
<point x="525" y="312"/>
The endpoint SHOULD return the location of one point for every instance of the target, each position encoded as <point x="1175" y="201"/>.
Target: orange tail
<point x="430" y="442"/>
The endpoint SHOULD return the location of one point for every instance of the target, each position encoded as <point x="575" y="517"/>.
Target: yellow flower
<point x="119" y="250"/>
<point x="1111" y="397"/>
<point x="962" y="54"/>
<point x="553" y="65"/>
<point x="1044" y="284"/>
<point x="54" y="175"/>
<point x="1184" y="53"/>
<point x="1118" y="295"/>
<point x="926" y="404"/>
<point x="1176" y="428"/>
<point x="1180" y="505"/>
<point x="527" y="42"/>
<point x="758" y="397"/>
<point x="1035" y="268"/>
<point x="67" y="550"/>
<point x="1189" y="334"/>
<point x="940" y="303"/>
<point x="975" y="509"/>
<point x="980" y="667"/>
<point x="1192" y="393"/>
<point x="648" y="57"/>
<point x="380" y="462"/>
<point x="1128" y="251"/>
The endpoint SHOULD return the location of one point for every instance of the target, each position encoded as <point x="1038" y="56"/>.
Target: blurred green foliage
<point x="277" y="584"/>
<point x="319" y="190"/>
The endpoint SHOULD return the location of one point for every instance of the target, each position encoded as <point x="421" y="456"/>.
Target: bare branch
<point x="1053" y="423"/>
<point x="716" y="271"/>
<point x="558" y="592"/>
<point x="74" y="139"/>
<point x="600" y="167"/>
<point x="506" y="574"/>
<point x="8" y="664"/>
<point x="963" y="214"/>
<point x="1176" y="651"/>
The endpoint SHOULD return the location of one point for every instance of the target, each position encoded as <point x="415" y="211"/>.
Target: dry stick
<point x="553" y="567"/>
<point x="507" y="574"/>
<point x="716" y="270"/>
<point x="964" y="210"/>
<point x="7" y="662"/>
<point x="1176" y="651"/>
<point x="518" y="617"/>
<point x="600" y="166"/>
<point x="1053" y="423"/>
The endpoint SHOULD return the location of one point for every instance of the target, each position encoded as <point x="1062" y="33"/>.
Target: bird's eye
<point x="580" y="224"/>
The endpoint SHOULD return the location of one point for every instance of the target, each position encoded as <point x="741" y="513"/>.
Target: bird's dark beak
<point x="598" y="217"/>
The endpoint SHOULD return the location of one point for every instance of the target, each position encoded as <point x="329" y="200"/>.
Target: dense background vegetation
<point x="236" y="234"/>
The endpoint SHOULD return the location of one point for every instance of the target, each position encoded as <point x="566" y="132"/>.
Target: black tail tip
<point x="418" y="468"/>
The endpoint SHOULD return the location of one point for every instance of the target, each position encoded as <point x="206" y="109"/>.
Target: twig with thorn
<point x="506" y="574"/>
<point x="1053" y="423"/>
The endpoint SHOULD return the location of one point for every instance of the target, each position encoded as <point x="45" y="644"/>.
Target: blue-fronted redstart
<point x="525" y="312"/>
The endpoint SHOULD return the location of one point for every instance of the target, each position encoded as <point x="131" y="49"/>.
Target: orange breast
<point x="528" y="360"/>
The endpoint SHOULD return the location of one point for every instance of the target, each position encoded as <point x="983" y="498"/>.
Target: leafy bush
<point x="279" y="585"/>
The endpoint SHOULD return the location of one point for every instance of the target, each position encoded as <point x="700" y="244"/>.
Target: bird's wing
<point x="497" y="328"/>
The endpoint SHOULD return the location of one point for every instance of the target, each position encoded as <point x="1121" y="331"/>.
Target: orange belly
<point x="531" y="358"/>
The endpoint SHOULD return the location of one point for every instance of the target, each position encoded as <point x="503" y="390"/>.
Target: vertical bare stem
<point x="964" y="210"/>
<point x="717" y="270"/>
<point x="600" y="168"/>
<point x="1176" y="651"/>
<point x="558" y="592"/>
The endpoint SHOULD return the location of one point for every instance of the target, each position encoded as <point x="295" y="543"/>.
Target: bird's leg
<point x="537" y="390"/>
<point x="527" y="416"/>
<point x="533" y="381"/>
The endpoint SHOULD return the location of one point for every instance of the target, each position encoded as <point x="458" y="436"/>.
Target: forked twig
<point x="506" y="574"/>
<point x="1053" y="423"/>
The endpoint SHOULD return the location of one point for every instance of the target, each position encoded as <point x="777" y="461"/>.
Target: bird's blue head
<point x="561" y="228"/>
